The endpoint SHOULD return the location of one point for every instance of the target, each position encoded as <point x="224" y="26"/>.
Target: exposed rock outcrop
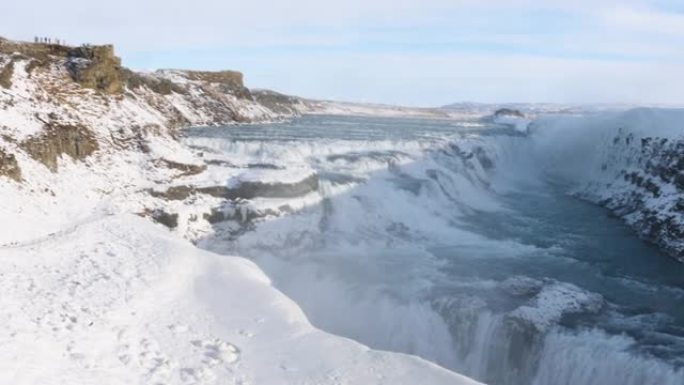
<point x="56" y="140"/>
<point x="184" y="169"/>
<point x="40" y="51"/>
<point x="278" y="102"/>
<point x="509" y="112"/>
<point x="169" y="220"/>
<point x="636" y="171"/>
<point x="230" y="82"/>
<point x="134" y="81"/>
<point x="9" y="166"/>
<point x="6" y="74"/>
<point x="245" y="190"/>
<point x="243" y="214"/>
<point x="96" y="67"/>
<point x="656" y="217"/>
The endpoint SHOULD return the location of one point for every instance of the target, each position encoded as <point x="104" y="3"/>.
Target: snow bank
<point x="120" y="300"/>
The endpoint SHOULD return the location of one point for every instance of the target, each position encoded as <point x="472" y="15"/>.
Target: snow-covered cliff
<point x="631" y="162"/>
<point x="75" y="124"/>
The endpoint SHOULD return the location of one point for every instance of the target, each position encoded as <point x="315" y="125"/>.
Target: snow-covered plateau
<point x="105" y="200"/>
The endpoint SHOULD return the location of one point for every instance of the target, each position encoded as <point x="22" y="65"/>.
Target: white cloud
<point x="408" y="51"/>
<point x="437" y="79"/>
<point x="642" y="19"/>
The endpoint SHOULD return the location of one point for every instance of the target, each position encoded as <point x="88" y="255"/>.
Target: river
<point x="453" y="241"/>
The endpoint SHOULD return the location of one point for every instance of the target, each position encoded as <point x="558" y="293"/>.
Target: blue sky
<point x="411" y="52"/>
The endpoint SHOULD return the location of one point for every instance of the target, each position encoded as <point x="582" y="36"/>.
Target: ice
<point x="553" y="302"/>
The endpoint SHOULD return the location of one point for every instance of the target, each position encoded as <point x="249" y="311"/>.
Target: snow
<point x="117" y="298"/>
<point x="554" y="301"/>
<point x="93" y="292"/>
<point x="368" y="109"/>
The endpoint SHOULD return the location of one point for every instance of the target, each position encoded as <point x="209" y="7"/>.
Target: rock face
<point x="245" y="190"/>
<point x="135" y="81"/>
<point x="60" y="101"/>
<point x="56" y="140"/>
<point x="508" y="112"/>
<point x="38" y="51"/>
<point x="96" y="67"/>
<point x="637" y="171"/>
<point x="162" y="217"/>
<point x="6" y="74"/>
<point x="278" y="102"/>
<point x="9" y="166"/>
<point x="651" y="207"/>
<point x="230" y="82"/>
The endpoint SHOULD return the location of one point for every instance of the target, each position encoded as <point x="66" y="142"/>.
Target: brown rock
<point x="9" y="166"/>
<point x="75" y="141"/>
<point x="6" y="75"/>
<point x="96" y="67"/>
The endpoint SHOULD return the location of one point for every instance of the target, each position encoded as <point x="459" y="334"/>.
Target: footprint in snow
<point x="196" y="375"/>
<point x="217" y="352"/>
<point x="178" y="328"/>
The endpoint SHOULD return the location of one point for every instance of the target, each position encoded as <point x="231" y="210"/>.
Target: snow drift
<point x="120" y="300"/>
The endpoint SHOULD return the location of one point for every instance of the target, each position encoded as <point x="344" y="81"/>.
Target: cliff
<point x="57" y="100"/>
<point x="630" y="162"/>
<point x="647" y="191"/>
<point x="96" y="67"/>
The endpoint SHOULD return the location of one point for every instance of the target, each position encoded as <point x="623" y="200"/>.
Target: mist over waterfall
<point x="541" y="257"/>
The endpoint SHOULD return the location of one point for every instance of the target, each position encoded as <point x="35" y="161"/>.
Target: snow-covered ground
<point x="119" y="300"/>
<point x="316" y="107"/>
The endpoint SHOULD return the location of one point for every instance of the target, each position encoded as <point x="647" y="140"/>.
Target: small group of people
<point x="47" y="40"/>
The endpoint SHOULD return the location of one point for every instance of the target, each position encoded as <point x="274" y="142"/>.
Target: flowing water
<point x="457" y="242"/>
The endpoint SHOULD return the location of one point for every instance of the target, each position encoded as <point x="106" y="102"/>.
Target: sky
<point x="408" y="52"/>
